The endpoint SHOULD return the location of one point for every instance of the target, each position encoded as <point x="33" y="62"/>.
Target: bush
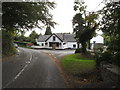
<point x="78" y="50"/>
<point x="7" y="44"/>
<point x="116" y="59"/>
<point x="104" y="57"/>
<point x="101" y="49"/>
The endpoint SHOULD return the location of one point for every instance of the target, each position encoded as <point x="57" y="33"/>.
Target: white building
<point x="98" y="41"/>
<point x="58" y="41"/>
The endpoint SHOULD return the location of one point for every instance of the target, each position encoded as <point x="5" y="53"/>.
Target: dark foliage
<point x="78" y="50"/>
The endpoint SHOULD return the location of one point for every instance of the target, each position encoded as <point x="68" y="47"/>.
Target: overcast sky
<point x="63" y="14"/>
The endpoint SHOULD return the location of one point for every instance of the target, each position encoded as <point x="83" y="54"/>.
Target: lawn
<point x="77" y="64"/>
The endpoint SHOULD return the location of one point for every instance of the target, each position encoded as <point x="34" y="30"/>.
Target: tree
<point x="20" y="37"/>
<point x="84" y="25"/>
<point x="48" y="31"/>
<point x="22" y="16"/>
<point x="111" y="24"/>
<point x="26" y="15"/>
<point x="33" y="36"/>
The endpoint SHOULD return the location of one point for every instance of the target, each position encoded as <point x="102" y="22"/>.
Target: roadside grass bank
<point x="9" y="53"/>
<point x="80" y="69"/>
<point x="77" y="64"/>
<point x="26" y="47"/>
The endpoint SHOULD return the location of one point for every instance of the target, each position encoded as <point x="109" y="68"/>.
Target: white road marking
<point x="18" y="73"/>
<point x="21" y="71"/>
<point x="28" y="62"/>
<point x="18" y="50"/>
<point x="30" y="57"/>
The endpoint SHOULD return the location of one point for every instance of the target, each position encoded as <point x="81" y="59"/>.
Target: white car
<point x="16" y="46"/>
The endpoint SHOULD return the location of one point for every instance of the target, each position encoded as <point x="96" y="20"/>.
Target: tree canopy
<point x="84" y="25"/>
<point x="26" y="15"/>
<point x="21" y="16"/>
<point x="110" y="24"/>
<point x="33" y="36"/>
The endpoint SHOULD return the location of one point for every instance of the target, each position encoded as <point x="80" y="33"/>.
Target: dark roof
<point x="66" y="37"/>
<point x="69" y="37"/>
<point x="55" y="35"/>
<point x="43" y="38"/>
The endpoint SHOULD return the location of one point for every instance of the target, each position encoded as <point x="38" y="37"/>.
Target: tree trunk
<point x="84" y="47"/>
<point x="78" y="45"/>
<point x="89" y="46"/>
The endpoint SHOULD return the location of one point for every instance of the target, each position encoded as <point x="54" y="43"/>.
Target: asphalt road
<point x="31" y="69"/>
<point x="59" y="53"/>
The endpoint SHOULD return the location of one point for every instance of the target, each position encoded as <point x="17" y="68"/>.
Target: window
<point x="59" y="43"/>
<point x="54" y="38"/>
<point x="42" y="44"/>
<point x="46" y="44"/>
<point x="74" y="45"/>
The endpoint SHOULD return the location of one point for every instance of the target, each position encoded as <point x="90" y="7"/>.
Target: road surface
<point x="32" y="69"/>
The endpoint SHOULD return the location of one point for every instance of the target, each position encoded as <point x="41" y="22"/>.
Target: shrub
<point x="78" y="50"/>
<point x="104" y="57"/>
<point x="7" y="44"/>
<point x="116" y="59"/>
<point x="101" y="49"/>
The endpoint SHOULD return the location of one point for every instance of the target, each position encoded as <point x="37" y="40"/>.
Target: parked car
<point x="16" y="46"/>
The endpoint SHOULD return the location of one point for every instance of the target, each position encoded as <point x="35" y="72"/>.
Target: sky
<point x="63" y="14"/>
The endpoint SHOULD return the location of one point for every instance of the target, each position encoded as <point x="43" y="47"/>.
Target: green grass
<point x="26" y="47"/>
<point x="77" y="64"/>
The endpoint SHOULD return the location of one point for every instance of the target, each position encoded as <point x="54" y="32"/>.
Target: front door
<point x="54" y="44"/>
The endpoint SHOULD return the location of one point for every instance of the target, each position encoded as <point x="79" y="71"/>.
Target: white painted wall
<point x="70" y="45"/>
<point x="51" y="39"/>
<point x="63" y="46"/>
<point x="97" y="39"/>
<point x="40" y="44"/>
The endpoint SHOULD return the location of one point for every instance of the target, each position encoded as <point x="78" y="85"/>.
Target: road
<point x="32" y="69"/>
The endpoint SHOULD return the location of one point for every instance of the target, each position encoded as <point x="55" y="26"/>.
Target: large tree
<point x="26" y="15"/>
<point x="111" y="24"/>
<point x="22" y="16"/>
<point x="84" y="25"/>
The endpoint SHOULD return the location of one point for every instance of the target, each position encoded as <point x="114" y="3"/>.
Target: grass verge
<point x="78" y="65"/>
<point x="8" y="53"/>
<point x="26" y="47"/>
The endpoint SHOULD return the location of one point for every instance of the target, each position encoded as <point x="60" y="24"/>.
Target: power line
<point x="98" y="5"/>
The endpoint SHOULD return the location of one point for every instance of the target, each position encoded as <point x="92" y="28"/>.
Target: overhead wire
<point x="97" y="6"/>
